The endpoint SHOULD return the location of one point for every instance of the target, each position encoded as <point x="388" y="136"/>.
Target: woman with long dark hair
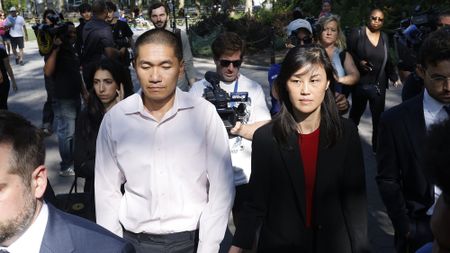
<point x="308" y="179"/>
<point x="108" y="89"/>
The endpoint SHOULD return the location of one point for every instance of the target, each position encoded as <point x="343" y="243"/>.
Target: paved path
<point x="30" y="98"/>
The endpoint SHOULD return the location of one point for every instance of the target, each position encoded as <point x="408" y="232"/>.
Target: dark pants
<point x="4" y="91"/>
<point x="182" y="242"/>
<point x="420" y="234"/>
<point x="47" y="111"/>
<point x="360" y="95"/>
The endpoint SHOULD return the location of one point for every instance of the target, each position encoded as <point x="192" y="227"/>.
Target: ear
<point x="39" y="181"/>
<point x="180" y="75"/>
<point x="328" y="85"/>
<point x="420" y="70"/>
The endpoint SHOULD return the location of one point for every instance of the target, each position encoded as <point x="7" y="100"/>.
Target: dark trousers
<point x="47" y="111"/>
<point x="182" y="242"/>
<point x="4" y="91"/>
<point x="420" y="234"/>
<point x="360" y="95"/>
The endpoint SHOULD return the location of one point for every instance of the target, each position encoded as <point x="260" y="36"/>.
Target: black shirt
<point x="3" y="55"/>
<point x="121" y="33"/>
<point x="374" y="55"/>
<point x="97" y="35"/>
<point x="67" y="78"/>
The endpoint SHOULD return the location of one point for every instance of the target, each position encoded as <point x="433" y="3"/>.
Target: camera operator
<point x="408" y="44"/>
<point x="228" y="52"/>
<point x="63" y="69"/>
<point x="98" y="41"/>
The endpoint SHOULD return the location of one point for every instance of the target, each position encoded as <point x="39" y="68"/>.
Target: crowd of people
<point x="165" y="166"/>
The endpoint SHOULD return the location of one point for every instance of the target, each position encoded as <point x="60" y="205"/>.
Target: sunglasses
<point x="377" y="18"/>
<point x="226" y="63"/>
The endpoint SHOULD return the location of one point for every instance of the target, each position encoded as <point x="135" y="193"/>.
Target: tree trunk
<point x="248" y="7"/>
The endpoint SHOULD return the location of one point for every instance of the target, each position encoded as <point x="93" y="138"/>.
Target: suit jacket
<point x="404" y="188"/>
<point x="68" y="233"/>
<point x="339" y="215"/>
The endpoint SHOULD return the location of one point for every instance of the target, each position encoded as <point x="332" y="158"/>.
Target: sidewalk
<point x="29" y="100"/>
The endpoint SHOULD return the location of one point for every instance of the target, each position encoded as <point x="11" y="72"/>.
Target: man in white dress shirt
<point x="170" y="150"/>
<point x="27" y="223"/>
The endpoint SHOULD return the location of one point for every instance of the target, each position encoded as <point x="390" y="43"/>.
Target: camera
<point x="224" y="102"/>
<point x="46" y="33"/>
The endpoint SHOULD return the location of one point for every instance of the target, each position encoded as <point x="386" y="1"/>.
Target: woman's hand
<point x="235" y="249"/>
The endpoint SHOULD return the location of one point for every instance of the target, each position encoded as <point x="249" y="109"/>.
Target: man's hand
<point x="235" y="249"/>
<point x="398" y="83"/>
<point x="341" y="102"/>
<point x="57" y="41"/>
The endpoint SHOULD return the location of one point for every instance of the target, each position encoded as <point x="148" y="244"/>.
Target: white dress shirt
<point x="434" y="113"/>
<point x="177" y="172"/>
<point x="31" y="240"/>
<point x="241" y="149"/>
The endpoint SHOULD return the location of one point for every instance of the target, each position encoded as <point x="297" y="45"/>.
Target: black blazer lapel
<point x="294" y="167"/>
<point x="415" y="125"/>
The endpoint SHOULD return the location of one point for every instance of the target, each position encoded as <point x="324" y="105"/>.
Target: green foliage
<point x="10" y="3"/>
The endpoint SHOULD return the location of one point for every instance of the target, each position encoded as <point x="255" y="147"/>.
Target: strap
<point x="383" y="37"/>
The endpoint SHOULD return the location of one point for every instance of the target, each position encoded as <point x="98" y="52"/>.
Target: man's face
<point x="158" y="69"/>
<point x="87" y="15"/>
<point x="159" y="17"/>
<point x="109" y="16"/>
<point x="437" y="80"/>
<point x="326" y="7"/>
<point x="13" y="13"/>
<point x="444" y="21"/>
<point x="17" y="202"/>
<point x="227" y="66"/>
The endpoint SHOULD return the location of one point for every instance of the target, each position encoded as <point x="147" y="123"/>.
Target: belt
<point x="180" y="236"/>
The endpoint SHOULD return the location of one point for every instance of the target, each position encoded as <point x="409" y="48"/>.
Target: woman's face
<point x="105" y="87"/>
<point x="306" y="88"/>
<point x="329" y="34"/>
<point x="376" y="20"/>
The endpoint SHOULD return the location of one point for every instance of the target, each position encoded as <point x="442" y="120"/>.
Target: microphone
<point x="212" y="78"/>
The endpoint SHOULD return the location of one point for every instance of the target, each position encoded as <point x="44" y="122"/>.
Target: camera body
<point x="46" y="33"/>
<point x="224" y="102"/>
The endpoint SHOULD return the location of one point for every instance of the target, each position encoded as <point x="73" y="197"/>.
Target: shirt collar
<point x="431" y="105"/>
<point x="182" y="101"/>
<point x="31" y="240"/>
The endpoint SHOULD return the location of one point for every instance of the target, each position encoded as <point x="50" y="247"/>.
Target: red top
<point x="309" y="145"/>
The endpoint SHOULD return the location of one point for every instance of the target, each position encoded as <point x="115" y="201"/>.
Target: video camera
<point x="46" y="33"/>
<point x="222" y="100"/>
<point x="411" y="34"/>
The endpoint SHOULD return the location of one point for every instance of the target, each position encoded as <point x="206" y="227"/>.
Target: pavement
<point x="29" y="100"/>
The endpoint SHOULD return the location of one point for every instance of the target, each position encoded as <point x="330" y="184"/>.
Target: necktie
<point x="447" y="109"/>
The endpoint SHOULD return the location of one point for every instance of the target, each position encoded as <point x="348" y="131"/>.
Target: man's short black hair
<point x="84" y="7"/>
<point x="161" y="37"/>
<point x="227" y="42"/>
<point x="99" y="7"/>
<point x="157" y="5"/>
<point x="27" y="144"/>
<point x="435" y="48"/>
<point x="111" y="6"/>
<point x="437" y="155"/>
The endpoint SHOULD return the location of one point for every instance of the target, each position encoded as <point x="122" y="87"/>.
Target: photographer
<point x="408" y="43"/>
<point x="228" y="52"/>
<point x="63" y="69"/>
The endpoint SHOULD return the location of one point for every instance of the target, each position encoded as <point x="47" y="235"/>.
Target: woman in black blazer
<point x="308" y="180"/>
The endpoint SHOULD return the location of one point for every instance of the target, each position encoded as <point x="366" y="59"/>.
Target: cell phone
<point x="369" y="65"/>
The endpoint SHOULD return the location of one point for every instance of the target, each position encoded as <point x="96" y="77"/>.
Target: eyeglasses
<point x="438" y="80"/>
<point x="226" y="63"/>
<point x="306" y="40"/>
<point x="376" y="18"/>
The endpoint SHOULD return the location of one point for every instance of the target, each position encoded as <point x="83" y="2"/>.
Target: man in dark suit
<point x="408" y="195"/>
<point x="27" y="223"/>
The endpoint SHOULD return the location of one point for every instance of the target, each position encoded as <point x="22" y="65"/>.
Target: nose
<point x="304" y="88"/>
<point x="155" y="76"/>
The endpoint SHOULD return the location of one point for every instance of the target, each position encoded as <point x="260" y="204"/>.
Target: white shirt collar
<point x="31" y="240"/>
<point x="434" y="111"/>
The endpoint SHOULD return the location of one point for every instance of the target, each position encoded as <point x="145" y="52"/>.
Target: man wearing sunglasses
<point x="402" y="179"/>
<point x="228" y="52"/>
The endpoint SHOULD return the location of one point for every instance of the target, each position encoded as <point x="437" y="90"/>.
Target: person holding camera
<point x="63" y="69"/>
<point x="228" y="52"/>
<point x="369" y="47"/>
